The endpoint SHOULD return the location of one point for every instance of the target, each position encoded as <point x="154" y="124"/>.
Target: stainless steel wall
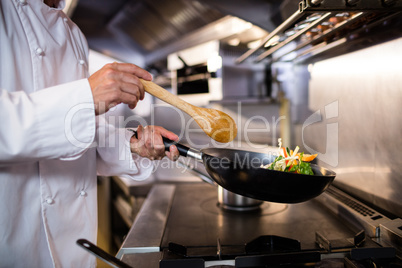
<point x="355" y="102"/>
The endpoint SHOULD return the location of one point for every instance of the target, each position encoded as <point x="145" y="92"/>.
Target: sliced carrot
<point x="308" y="157"/>
<point x="284" y="152"/>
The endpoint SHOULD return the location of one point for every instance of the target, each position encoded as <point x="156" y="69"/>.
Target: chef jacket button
<point x="65" y="20"/>
<point x="22" y="2"/>
<point x="82" y="62"/>
<point x="39" y="51"/>
<point x="49" y="200"/>
<point x="83" y="193"/>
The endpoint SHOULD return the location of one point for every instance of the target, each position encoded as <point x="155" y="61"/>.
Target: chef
<point x="54" y="139"/>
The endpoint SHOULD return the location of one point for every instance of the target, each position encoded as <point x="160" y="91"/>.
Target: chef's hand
<point x="117" y="83"/>
<point x="149" y="143"/>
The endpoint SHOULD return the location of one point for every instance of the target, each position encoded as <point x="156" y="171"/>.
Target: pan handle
<point x="183" y="150"/>
<point x="101" y="254"/>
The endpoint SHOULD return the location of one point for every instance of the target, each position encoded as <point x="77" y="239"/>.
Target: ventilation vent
<point x="363" y="210"/>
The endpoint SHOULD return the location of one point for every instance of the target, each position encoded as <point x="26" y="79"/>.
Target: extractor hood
<point x="151" y="29"/>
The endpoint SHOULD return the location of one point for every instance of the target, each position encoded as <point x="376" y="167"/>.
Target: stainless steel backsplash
<point x="355" y="102"/>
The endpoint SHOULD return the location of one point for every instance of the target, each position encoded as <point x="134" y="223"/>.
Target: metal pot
<point x="231" y="201"/>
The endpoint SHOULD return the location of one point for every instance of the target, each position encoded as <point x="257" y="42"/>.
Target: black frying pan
<point x="239" y="171"/>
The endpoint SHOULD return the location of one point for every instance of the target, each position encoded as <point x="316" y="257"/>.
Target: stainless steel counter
<point x="148" y="227"/>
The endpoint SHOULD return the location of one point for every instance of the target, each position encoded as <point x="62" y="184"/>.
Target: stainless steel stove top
<point x="183" y="221"/>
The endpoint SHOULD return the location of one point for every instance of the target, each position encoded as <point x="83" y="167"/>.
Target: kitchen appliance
<point x="182" y="225"/>
<point x="194" y="73"/>
<point x="193" y="79"/>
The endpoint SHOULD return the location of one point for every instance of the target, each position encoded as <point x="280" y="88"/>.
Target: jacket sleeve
<point x="56" y="122"/>
<point x="114" y="157"/>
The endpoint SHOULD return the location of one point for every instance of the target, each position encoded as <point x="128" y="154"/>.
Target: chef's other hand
<point x="150" y="144"/>
<point x="117" y="83"/>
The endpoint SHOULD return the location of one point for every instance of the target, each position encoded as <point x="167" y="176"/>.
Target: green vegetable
<point x="301" y="167"/>
<point x="291" y="161"/>
<point x="305" y="168"/>
<point x="294" y="168"/>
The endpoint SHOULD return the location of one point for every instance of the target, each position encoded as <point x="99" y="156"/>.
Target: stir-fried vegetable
<point x="292" y="161"/>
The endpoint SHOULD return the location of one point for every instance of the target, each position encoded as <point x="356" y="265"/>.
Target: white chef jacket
<point x="51" y="144"/>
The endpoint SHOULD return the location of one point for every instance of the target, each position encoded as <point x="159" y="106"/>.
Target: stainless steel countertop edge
<point x="146" y="233"/>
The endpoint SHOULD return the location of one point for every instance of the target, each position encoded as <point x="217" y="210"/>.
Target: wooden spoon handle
<point x="164" y="95"/>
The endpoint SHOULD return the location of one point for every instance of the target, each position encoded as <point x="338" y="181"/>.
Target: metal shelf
<point x="318" y="24"/>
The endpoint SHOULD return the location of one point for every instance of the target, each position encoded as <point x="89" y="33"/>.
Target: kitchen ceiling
<point x="144" y="28"/>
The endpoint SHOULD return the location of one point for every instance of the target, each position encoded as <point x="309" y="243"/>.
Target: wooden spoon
<point x="216" y="124"/>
